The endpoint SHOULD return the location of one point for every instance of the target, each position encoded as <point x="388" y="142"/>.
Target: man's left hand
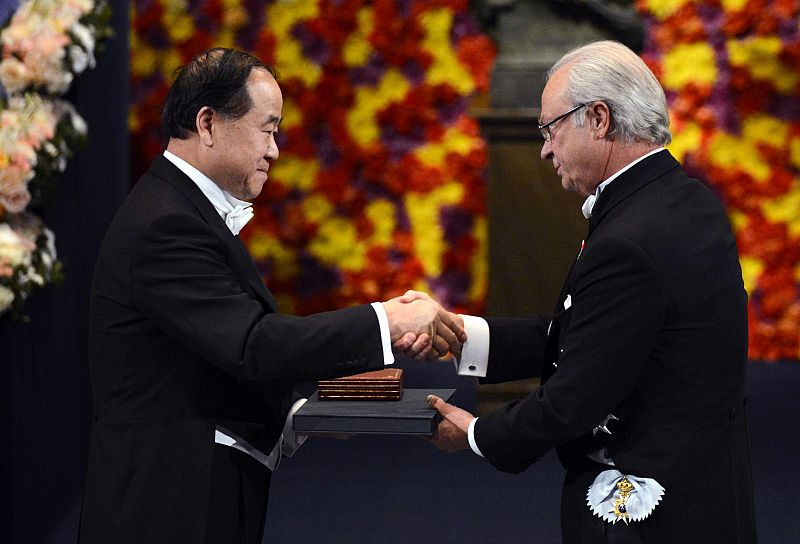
<point x="451" y="435"/>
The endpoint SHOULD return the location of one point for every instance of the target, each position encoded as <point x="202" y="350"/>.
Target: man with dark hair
<point x="642" y="364"/>
<point x="191" y="365"/>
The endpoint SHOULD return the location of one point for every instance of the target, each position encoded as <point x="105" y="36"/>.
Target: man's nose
<point x="272" y="150"/>
<point x="547" y="151"/>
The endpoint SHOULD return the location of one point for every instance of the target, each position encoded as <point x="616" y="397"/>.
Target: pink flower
<point x="15" y="201"/>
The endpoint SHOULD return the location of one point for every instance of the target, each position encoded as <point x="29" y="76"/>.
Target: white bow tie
<point x="238" y="217"/>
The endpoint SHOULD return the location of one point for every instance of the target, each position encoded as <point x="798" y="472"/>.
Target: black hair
<point x="216" y="78"/>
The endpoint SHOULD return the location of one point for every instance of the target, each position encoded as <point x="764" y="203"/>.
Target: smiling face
<point x="575" y="151"/>
<point x="242" y="149"/>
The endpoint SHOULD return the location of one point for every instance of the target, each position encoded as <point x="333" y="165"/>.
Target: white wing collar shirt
<point x="236" y="214"/>
<point x="475" y="352"/>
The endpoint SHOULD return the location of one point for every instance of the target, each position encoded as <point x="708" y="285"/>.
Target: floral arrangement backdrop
<point x="43" y="45"/>
<point x="731" y="69"/>
<point x="379" y="187"/>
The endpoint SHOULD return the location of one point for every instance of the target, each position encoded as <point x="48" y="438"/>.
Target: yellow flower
<point x="761" y="128"/>
<point x="293" y="171"/>
<point x="423" y="211"/>
<point x="751" y="270"/>
<point x="381" y="214"/>
<point x="133" y="123"/>
<point x="336" y="244"/>
<point x="453" y="141"/>
<point x="661" y="9"/>
<point x="421" y="285"/>
<point x="264" y="246"/>
<point x="733" y="5"/>
<point x="235" y="15"/>
<point x="445" y="67"/>
<point x="479" y="267"/>
<point x="728" y="151"/>
<point x="794" y="152"/>
<point x="685" y="141"/>
<point x="292" y="115"/>
<point x="170" y="60"/>
<point x="285" y="303"/>
<point x="289" y="59"/>
<point x="689" y="63"/>
<point x="283" y="15"/>
<point x="316" y="207"/>
<point x="356" y="49"/>
<point x="738" y="220"/>
<point x="177" y="22"/>
<point x="785" y="209"/>
<point x="759" y="55"/>
<point x="144" y="61"/>
<point x="361" y="121"/>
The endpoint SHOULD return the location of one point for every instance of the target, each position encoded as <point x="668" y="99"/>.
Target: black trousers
<point x="238" y="504"/>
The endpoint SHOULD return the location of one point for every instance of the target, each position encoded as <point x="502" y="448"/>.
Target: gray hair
<point x="610" y="72"/>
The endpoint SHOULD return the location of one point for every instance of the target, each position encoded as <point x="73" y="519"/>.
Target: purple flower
<point x="248" y="34"/>
<point x="401" y="144"/>
<point x="314" y="47"/>
<point x="464" y="24"/>
<point x="455" y="222"/>
<point x="371" y="73"/>
<point x="451" y="288"/>
<point x="449" y="112"/>
<point x="413" y="72"/>
<point x="786" y="108"/>
<point x="327" y="152"/>
<point x="314" y="277"/>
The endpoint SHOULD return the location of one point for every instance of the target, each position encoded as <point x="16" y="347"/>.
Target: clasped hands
<point x="421" y="328"/>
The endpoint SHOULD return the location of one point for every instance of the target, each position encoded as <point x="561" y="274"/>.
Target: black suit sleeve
<point x="611" y="327"/>
<point x="182" y="279"/>
<point x="516" y="348"/>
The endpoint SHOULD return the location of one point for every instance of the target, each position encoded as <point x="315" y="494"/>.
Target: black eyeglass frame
<point x="545" y="128"/>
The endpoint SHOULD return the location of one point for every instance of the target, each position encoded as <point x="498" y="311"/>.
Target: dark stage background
<point x="363" y="490"/>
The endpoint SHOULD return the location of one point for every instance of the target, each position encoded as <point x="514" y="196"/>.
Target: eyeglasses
<point x="547" y="131"/>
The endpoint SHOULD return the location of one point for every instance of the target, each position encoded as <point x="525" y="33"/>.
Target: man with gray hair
<point x="642" y="364"/>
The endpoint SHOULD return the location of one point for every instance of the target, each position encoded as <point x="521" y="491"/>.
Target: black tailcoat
<point x="651" y="326"/>
<point x="184" y="336"/>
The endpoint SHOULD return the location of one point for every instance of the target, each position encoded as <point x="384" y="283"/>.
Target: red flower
<point x="477" y="52"/>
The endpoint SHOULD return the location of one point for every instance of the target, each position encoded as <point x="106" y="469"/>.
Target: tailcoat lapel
<point x="245" y="268"/>
<point x="627" y="184"/>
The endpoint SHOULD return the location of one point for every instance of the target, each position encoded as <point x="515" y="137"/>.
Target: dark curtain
<point x="44" y="381"/>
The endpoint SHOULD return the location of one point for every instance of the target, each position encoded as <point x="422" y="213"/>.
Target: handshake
<point x="421" y="328"/>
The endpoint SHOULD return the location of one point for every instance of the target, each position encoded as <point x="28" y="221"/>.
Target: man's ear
<point x="600" y="119"/>
<point x="204" y="122"/>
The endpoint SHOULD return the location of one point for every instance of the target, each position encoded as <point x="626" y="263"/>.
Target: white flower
<point x="35" y="278"/>
<point x="6" y="298"/>
<point x="13" y="75"/>
<point x="12" y="247"/>
<point x="50" y="149"/>
<point x="78" y="59"/>
<point x="85" y="38"/>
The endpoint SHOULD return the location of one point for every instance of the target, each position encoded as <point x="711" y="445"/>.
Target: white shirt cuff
<point x="386" y="339"/>
<point x="471" y="437"/>
<point x="475" y="353"/>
